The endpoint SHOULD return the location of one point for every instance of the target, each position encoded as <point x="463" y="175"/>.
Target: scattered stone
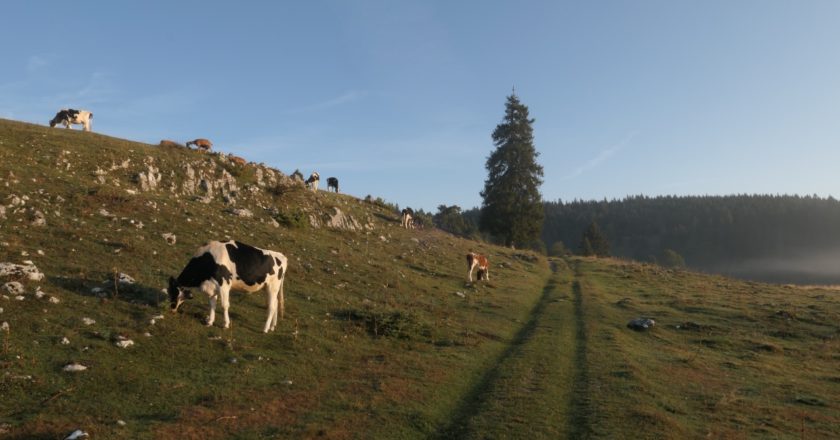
<point x="4" y="326"/>
<point x="74" y="367"/>
<point x="242" y="212"/>
<point x="28" y="270"/>
<point x="121" y="423"/>
<point x="64" y="341"/>
<point x="125" y="279"/>
<point x="13" y="288"/>
<point x="461" y="294"/>
<point x="340" y="220"/>
<point x="169" y="237"/>
<point x="124" y="342"/>
<point x="88" y="321"/>
<point x="641" y="324"/>
<point x="77" y="435"/>
<point x="38" y="219"/>
<point x="54" y="300"/>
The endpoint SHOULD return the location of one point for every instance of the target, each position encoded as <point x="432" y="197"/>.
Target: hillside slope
<point x="375" y="337"/>
<point x="382" y="337"/>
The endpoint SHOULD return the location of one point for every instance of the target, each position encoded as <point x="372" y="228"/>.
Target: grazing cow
<point x="218" y="267"/>
<point x="473" y="260"/>
<point x="407" y="220"/>
<point x="332" y="182"/>
<point x="237" y="160"/>
<point x="200" y="144"/>
<point x="68" y="116"/>
<point x="313" y="180"/>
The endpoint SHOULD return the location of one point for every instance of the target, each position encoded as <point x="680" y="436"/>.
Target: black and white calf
<point x="218" y="267"/>
<point x="68" y="116"/>
<point x="407" y="218"/>
<point x="313" y="180"/>
<point x="332" y="183"/>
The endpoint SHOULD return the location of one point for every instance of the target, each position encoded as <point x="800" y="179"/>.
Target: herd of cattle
<point x="219" y="267"/>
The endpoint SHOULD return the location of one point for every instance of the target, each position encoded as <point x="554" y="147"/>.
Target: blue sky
<point x="398" y="98"/>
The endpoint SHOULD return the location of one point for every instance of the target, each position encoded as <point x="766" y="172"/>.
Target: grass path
<point x="537" y="387"/>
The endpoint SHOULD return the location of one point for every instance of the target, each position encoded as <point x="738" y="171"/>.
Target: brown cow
<point x="200" y="144"/>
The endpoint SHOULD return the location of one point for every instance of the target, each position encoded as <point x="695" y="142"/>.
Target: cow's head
<point x="56" y="120"/>
<point x="177" y="294"/>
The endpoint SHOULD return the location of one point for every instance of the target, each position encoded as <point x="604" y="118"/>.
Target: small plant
<point x="295" y="219"/>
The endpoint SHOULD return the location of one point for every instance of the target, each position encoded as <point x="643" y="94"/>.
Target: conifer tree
<point x="512" y="210"/>
<point x="594" y="242"/>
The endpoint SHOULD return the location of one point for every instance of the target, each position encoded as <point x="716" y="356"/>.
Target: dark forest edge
<point x="774" y="238"/>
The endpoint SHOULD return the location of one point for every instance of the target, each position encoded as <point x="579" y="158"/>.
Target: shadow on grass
<point x="387" y="218"/>
<point x="133" y="293"/>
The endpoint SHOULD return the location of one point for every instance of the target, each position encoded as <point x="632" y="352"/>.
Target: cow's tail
<point x="470" y="259"/>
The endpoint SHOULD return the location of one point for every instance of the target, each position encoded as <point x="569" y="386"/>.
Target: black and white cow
<point x="68" y="116"/>
<point x="218" y="267"/>
<point x="313" y="180"/>
<point x="332" y="183"/>
<point x="407" y="218"/>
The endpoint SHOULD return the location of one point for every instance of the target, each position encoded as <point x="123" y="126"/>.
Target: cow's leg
<point x="271" y="300"/>
<point x="487" y="273"/>
<point x="224" y="294"/>
<point x="469" y="275"/>
<point x="211" y="318"/>
<point x="282" y="300"/>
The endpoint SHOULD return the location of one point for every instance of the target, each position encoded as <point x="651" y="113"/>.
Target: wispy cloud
<point x="602" y="156"/>
<point x="38" y="62"/>
<point x="347" y="97"/>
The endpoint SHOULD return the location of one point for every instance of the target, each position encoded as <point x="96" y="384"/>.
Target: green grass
<point x="376" y="343"/>
<point x="375" y="340"/>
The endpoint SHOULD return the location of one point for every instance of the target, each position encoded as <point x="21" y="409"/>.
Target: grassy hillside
<point x="382" y="337"/>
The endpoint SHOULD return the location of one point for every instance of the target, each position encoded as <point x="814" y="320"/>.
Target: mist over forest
<point x="774" y="238"/>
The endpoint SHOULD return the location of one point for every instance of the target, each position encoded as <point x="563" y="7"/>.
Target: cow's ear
<point x="173" y="282"/>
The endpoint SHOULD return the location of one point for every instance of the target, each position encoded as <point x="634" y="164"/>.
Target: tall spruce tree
<point x="512" y="210"/>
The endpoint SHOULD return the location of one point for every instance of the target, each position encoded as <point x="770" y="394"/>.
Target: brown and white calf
<point x="68" y="116"/>
<point x="477" y="260"/>
<point x="218" y="267"/>
<point x="200" y="144"/>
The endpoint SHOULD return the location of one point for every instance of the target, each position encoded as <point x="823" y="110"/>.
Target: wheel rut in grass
<point x="579" y="422"/>
<point x="533" y="386"/>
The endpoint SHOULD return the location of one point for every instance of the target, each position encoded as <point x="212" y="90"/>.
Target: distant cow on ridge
<point x="68" y="116"/>
<point x="407" y="218"/>
<point x="332" y="183"/>
<point x="218" y="267"/>
<point x="313" y="180"/>
<point x="200" y="144"/>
